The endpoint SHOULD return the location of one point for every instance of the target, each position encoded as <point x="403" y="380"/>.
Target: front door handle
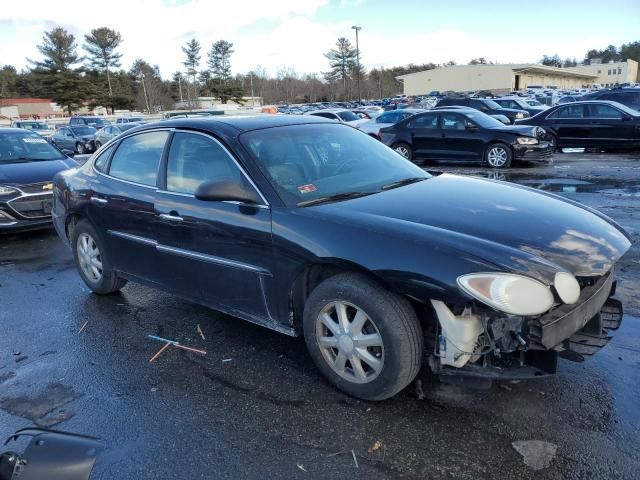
<point x="99" y="200"/>
<point x="170" y="217"/>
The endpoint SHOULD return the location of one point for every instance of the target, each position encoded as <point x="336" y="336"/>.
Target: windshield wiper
<point x="334" y="198"/>
<point x="403" y="182"/>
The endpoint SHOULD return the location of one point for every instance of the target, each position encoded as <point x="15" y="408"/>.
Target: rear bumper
<point x="534" y="153"/>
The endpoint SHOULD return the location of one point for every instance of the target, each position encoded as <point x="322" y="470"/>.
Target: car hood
<point x="33" y="172"/>
<point x="510" y="227"/>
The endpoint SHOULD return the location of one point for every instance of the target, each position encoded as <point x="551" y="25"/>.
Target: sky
<point x="296" y="33"/>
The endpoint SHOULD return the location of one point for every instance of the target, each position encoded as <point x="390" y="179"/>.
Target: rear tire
<point x="364" y="339"/>
<point x="97" y="145"/>
<point x="80" y="148"/>
<point x="498" y="155"/>
<point x="92" y="262"/>
<point x="404" y="149"/>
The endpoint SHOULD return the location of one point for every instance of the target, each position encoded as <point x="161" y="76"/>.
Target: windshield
<point x="483" y="120"/>
<point x="491" y="104"/>
<point x="101" y="122"/>
<point x="534" y="103"/>
<point x="33" y="125"/>
<point x="83" y="130"/>
<point x="26" y="146"/>
<point x="306" y="162"/>
<point x="347" y="116"/>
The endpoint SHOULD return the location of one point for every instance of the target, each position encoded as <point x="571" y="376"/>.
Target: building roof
<point x="19" y="101"/>
<point x="516" y="67"/>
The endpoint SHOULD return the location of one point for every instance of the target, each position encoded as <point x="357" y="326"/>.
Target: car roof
<point x="331" y="110"/>
<point x="236" y="123"/>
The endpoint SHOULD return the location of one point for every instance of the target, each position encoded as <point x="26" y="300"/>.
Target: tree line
<point x="73" y="76"/>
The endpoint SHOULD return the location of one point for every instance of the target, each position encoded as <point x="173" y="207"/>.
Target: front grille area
<point x="34" y="206"/>
<point x="34" y="187"/>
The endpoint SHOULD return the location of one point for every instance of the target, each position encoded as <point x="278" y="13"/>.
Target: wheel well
<point x="71" y="222"/>
<point x="495" y="142"/>
<point x="314" y="275"/>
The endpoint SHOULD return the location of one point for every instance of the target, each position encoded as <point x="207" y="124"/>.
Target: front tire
<point x="364" y="339"/>
<point x="404" y="149"/>
<point x="97" y="145"/>
<point x="80" y="148"/>
<point x="91" y="261"/>
<point x="498" y="155"/>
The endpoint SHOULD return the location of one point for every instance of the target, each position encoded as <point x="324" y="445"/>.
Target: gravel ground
<point x="255" y="406"/>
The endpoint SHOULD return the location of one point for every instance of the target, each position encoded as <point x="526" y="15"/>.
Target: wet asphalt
<point x="255" y="407"/>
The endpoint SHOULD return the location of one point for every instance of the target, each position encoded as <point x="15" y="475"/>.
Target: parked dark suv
<point x="485" y="105"/>
<point x="313" y="228"/>
<point x="89" y="121"/>
<point x="626" y="96"/>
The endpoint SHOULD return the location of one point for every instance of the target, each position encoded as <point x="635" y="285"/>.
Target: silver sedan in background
<point x="111" y="131"/>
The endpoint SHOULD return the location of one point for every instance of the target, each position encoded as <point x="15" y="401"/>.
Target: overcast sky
<point x="296" y="33"/>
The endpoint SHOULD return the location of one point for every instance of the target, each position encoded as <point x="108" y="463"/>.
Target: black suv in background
<point x="89" y="121"/>
<point x="485" y="105"/>
<point x="626" y="96"/>
<point x="517" y="103"/>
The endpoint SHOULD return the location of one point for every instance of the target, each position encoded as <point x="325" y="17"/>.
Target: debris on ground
<point x="505" y="387"/>
<point x="199" y="330"/>
<point x="376" y="446"/>
<point x="536" y="453"/>
<point x="355" y="460"/>
<point x="172" y="343"/>
<point x="227" y="360"/>
<point x="83" y="326"/>
<point x="301" y="467"/>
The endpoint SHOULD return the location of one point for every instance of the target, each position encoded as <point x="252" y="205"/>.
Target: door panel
<point x="217" y="252"/>
<point x="425" y="134"/>
<point x="572" y="126"/>
<point x="457" y="142"/>
<point x="607" y="125"/>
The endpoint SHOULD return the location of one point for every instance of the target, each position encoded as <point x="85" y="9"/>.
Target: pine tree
<point x="58" y="74"/>
<point x="222" y="85"/>
<point x="191" y="63"/>
<point x="342" y="61"/>
<point x="101" y="46"/>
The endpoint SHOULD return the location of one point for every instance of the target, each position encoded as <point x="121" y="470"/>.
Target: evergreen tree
<point x="101" y="46"/>
<point x="342" y="61"/>
<point x="58" y="73"/>
<point x="221" y="83"/>
<point x="191" y="63"/>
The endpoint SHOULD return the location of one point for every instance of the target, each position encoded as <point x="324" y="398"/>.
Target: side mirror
<point x="69" y="153"/>
<point x="225" y="190"/>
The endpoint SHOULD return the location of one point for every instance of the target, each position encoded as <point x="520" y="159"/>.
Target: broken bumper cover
<point x="534" y="153"/>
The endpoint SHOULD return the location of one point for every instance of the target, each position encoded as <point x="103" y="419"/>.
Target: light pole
<point x="357" y="29"/>
<point x="144" y="89"/>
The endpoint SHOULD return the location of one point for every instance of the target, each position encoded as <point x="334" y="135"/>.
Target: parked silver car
<point x="387" y="119"/>
<point x="342" y="115"/>
<point x="112" y="131"/>
<point x="38" y="126"/>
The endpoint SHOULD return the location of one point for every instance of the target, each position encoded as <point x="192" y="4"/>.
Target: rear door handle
<point x="171" y="218"/>
<point x="99" y="200"/>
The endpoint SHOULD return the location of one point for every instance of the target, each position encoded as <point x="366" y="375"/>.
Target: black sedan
<point x="485" y="105"/>
<point x="311" y="227"/>
<point x="28" y="164"/>
<point x="465" y="135"/>
<point x="590" y="124"/>
<point x="519" y="103"/>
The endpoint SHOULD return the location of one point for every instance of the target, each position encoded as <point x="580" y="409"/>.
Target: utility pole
<point x="357" y="29"/>
<point x="144" y="89"/>
<point x="253" y="101"/>
<point x="180" y="88"/>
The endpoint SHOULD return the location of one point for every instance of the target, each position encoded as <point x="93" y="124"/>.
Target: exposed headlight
<point x="6" y="190"/>
<point x="509" y="293"/>
<point x="567" y="287"/>
<point x="527" y="140"/>
<point x="519" y="115"/>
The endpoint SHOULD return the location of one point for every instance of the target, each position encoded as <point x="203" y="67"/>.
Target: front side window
<point x="137" y="158"/>
<point x="604" y="111"/>
<point x="103" y="158"/>
<point x="194" y="159"/>
<point x="453" y="121"/>
<point x="84" y="130"/>
<point x="307" y="162"/>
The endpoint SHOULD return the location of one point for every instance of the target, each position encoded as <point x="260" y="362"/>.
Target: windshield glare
<point x="305" y="162"/>
<point x="83" y="130"/>
<point x="24" y="146"/>
<point x="34" y="126"/>
<point x="534" y="103"/>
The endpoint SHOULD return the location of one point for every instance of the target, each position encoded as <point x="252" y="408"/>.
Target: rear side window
<point x="137" y="158"/>
<point x="194" y="159"/>
<point x="424" y="121"/>
<point x="101" y="162"/>
<point x="388" y="117"/>
<point x="570" y="111"/>
<point x="630" y="99"/>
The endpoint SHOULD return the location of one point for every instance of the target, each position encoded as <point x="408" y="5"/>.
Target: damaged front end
<point x="475" y="340"/>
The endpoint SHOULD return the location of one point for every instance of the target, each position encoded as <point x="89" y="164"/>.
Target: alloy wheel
<point x="350" y="342"/>
<point x="497" y="156"/>
<point x="89" y="257"/>
<point x="402" y="150"/>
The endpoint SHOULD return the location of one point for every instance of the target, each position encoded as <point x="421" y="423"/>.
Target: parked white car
<point x="341" y="115"/>
<point x="373" y="126"/>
